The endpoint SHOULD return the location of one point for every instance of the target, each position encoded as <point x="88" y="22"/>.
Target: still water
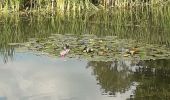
<point x="32" y="77"/>
<point x="28" y="76"/>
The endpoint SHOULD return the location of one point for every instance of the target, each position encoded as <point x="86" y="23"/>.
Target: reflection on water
<point x="32" y="77"/>
<point x="150" y="77"/>
<point x="155" y="80"/>
<point x="148" y="24"/>
<point x="112" y="76"/>
<point x="144" y="24"/>
<point x="25" y="76"/>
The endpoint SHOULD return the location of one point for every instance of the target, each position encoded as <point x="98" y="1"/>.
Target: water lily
<point x="65" y="51"/>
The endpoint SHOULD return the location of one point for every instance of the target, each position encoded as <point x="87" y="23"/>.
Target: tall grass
<point x="141" y="23"/>
<point x="144" y="23"/>
<point x="44" y="5"/>
<point x="71" y="5"/>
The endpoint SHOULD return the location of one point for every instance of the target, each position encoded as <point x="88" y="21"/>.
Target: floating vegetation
<point x="149" y="25"/>
<point x="95" y="48"/>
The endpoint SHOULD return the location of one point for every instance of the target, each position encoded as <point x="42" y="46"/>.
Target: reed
<point x="72" y="5"/>
<point x="145" y="24"/>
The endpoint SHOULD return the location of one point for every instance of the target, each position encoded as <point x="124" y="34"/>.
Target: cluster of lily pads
<point x="91" y="47"/>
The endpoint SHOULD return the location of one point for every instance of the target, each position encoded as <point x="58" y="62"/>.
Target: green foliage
<point x="73" y="5"/>
<point x="145" y="25"/>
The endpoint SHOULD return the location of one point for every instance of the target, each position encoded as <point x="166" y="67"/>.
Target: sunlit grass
<point x="145" y="23"/>
<point x="72" y="5"/>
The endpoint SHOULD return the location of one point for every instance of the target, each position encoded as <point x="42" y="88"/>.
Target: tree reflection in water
<point x="114" y="76"/>
<point x="154" y="80"/>
<point x="152" y="77"/>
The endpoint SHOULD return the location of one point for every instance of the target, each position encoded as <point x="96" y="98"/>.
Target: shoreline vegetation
<point x="126" y="44"/>
<point x="142" y="20"/>
<point x="73" y="6"/>
<point x="93" y="48"/>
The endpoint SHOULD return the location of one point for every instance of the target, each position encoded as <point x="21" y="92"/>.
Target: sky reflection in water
<point x="32" y="77"/>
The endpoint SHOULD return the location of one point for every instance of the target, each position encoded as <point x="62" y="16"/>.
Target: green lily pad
<point x="104" y="48"/>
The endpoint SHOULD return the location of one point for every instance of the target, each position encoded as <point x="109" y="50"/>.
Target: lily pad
<point x="104" y="48"/>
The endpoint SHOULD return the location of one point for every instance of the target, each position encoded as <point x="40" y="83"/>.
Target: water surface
<point x="32" y="77"/>
<point x="28" y="76"/>
<point x="35" y="77"/>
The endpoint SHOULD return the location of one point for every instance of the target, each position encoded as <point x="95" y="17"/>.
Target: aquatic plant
<point x="147" y="25"/>
<point x="104" y="49"/>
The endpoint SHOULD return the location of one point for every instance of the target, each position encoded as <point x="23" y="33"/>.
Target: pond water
<point x="29" y="76"/>
<point x="32" y="77"/>
<point x="26" y="75"/>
